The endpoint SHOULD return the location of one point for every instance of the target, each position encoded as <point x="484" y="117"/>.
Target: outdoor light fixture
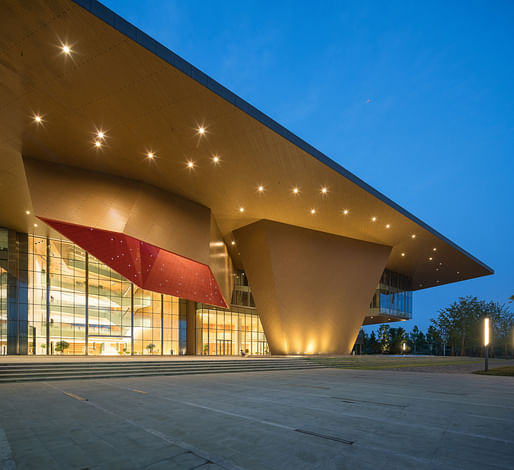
<point x="232" y="242"/>
<point x="313" y="211"/>
<point x="216" y="159"/>
<point x="241" y="209"/>
<point x="345" y="212"/>
<point x="373" y="219"/>
<point x="27" y="212"/>
<point x="430" y="259"/>
<point x="35" y="225"/>
<point x="260" y="189"/>
<point x="434" y="249"/>
<point x="38" y="119"/>
<point x="404" y="347"/>
<point x="403" y="254"/>
<point x="324" y="190"/>
<point x="486" y="343"/>
<point x="100" y="134"/>
<point x="150" y="155"/>
<point x="388" y="226"/>
<point x="413" y="235"/>
<point x="98" y="144"/>
<point x="190" y="164"/>
<point x="66" y="49"/>
<point x="296" y="190"/>
<point x="201" y="130"/>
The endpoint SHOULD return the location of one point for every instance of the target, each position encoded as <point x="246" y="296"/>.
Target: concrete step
<point x="70" y="371"/>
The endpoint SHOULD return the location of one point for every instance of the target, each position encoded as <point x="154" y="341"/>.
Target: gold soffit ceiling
<point x="145" y="99"/>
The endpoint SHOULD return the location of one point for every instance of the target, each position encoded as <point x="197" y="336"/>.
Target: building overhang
<point x="147" y="99"/>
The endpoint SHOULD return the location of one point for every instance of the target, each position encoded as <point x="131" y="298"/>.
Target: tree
<point x="61" y="346"/>
<point x="384" y="338"/>
<point x="372" y="345"/>
<point x="502" y="321"/>
<point x="398" y="337"/>
<point x="150" y="347"/>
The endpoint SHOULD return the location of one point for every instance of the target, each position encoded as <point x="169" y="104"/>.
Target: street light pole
<point x="486" y="343"/>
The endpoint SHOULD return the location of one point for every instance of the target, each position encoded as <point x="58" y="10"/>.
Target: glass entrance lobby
<point x="60" y="300"/>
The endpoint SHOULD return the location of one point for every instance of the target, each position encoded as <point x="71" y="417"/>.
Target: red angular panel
<point x="146" y="265"/>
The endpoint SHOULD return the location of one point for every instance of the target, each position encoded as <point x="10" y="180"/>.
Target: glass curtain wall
<point x="4" y="244"/>
<point x="90" y="307"/>
<point x="221" y="332"/>
<point x="393" y="296"/>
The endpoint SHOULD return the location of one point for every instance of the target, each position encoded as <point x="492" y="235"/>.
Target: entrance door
<point x="262" y="348"/>
<point x="224" y="347"/>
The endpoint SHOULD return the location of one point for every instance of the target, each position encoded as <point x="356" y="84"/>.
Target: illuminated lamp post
<point x="486" y="343"/>
<point x="404" y="347"/>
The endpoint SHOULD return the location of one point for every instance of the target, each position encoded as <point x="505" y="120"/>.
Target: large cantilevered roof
<point x="147" y="99"/>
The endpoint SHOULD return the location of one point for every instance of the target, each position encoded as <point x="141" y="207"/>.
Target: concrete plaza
<point x="320" y="418"/>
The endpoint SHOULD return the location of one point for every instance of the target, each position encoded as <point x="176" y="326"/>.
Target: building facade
<point x="147" y="210"/>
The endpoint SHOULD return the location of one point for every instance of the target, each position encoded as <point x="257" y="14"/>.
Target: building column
<point x="17" y="293"/>
<point x="312" y="289"/>
<point x="190" y="328"/>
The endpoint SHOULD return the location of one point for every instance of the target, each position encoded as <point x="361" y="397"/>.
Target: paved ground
<point x="359" y="419"/>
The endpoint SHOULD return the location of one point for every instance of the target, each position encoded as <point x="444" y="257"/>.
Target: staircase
<point x="45" y="371"/>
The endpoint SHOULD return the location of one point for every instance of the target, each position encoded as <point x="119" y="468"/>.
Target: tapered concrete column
<point x="311" y="289"/>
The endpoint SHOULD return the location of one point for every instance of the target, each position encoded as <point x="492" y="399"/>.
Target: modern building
<point x="146" y="209"/>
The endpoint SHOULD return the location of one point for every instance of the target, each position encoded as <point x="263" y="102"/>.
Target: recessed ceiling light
<point x="434" y="249"/>
<point x="190" y="164"/>
<point x="313" y="211"/>
<point x="430" y="259"/>
<point x="388" y="226"/>
<point x="403" y="254"/>
<point x="150" y="155"/>
<point x="373" y="219"/>
<point x="241" y="209"/>
<point x="216" y="159"/>
<point x="232" y="242"/>
<point x="35" y="225"/>
<point x="27" y="212"/>
<point x="346" y="211"/>
<point x="38" y="119"/>
<point x="260" y="189"/>
<point x="413" y="235"/>
<point x="66" y="49"/>
<point x="296" y="190"/>
<point x="324" y="190"/>
<point x="100" y="134"/>
<point x="201" y="130"/>
<point x="98" y="144"/>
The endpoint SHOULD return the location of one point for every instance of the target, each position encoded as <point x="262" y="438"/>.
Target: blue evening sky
<point x="437" y="136"/>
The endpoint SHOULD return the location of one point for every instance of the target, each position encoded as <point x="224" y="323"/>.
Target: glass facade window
<point x="89" y="306"/>
<point x="221" y="332"/>
<point x="393" y="296"/>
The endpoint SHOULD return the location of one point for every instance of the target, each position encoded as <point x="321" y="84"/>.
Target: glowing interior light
<point x="260" y="189"/>
<point x="486" y="331"/>
<point x="66" y="49"/>
<point x="313" y="211"/>
<point x="345" y="212"/>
